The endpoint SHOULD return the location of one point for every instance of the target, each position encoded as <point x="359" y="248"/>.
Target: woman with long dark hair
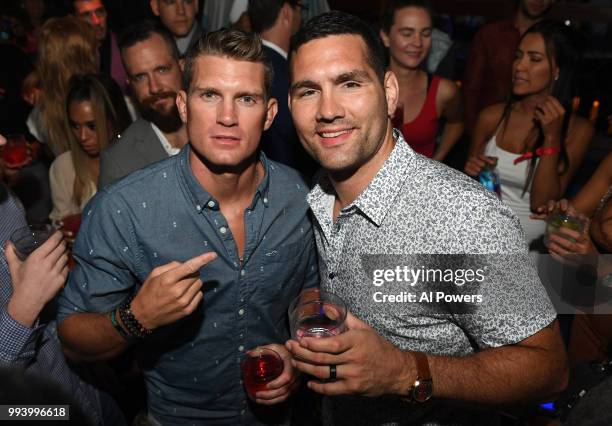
<point x="92" y="119"/>
<point x="534" y="139"/>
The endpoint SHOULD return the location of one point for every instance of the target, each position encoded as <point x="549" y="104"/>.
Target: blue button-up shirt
<point x="162" y="214"/>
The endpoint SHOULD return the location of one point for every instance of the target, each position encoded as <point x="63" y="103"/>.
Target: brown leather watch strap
<point x="422" y="366"/>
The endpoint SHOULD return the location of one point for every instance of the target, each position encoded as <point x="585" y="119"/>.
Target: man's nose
<point x="329" y="108"/>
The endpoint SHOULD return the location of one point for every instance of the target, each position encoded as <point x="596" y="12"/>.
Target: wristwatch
<point x="422" y="389"/>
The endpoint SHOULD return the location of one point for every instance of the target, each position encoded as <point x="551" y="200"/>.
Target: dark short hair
<point x="263" y="13"/>
<point x="233" y="44"/>
<point x="341" y="23"/>
<point x="72" y="4"/>
<point x="143" y="30"/>
<point x="388" y="15"/>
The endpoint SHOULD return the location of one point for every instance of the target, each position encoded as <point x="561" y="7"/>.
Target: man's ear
<point x="271" y="111"/>
<point x="391" y="92"/>
<point x="286" y="13"/>
<point x="181" y="104"/>
<point x="154" y="7"/>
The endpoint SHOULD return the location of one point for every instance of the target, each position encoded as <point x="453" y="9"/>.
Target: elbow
<point x="561" y="381"/>
<point x="557" y="382"/>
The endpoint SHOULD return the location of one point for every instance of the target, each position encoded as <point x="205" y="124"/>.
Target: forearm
<point x="451" y="134"/>
<point x="508" y="374"/>
<point x="546" y="183"/>
<point x="90" y="337"/>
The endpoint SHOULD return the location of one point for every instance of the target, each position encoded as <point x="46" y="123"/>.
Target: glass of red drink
<point x="317" y="313"/>
<point x="72" y="224"/>
<point x="15" y="152"/>
<point x="259" y="367"/>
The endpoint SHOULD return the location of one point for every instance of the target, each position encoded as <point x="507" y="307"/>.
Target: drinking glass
<point x="259" y="367"/>
<point x="15" y="152"/>
<point x="559" y="220"/>
<point x="29" y="238"/>
<point x="72" y="223"/>
<point x="317" y="313"/>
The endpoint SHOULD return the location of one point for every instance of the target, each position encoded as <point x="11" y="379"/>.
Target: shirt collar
<point x="182" y="43"/>
<point x="201" y="199"/>
<point x="274" y="47"/>
<point x="379" y="196"/>
<point x="170" y="150"/>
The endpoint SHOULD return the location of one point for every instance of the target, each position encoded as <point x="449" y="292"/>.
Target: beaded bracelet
<point x="113" y="317"/>
<point x="134" y="327"/>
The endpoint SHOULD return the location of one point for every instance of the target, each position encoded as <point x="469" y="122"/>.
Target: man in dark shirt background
<point x="276" y="21"/>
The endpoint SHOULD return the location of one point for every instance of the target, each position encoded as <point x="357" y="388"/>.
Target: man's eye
<point x="352" y="84"/>
<point x="207" y="95"/>
<point x="163" y="70"/>
<point x="138" y="78"/>
<point x="249" y="100"/>
<point x="306" y="93"/>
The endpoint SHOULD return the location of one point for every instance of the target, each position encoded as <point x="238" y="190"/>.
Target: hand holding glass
<point x="259" y="367"/>
<point x="559" y="220"/>
<point x="29" y="238"/>
<point x="317" y="313"/>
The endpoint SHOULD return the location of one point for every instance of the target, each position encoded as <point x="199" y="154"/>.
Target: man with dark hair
<point x="195" y="259"/>
<point x="179" y="17"/>
<point x="488" y="73"/>
<point x="94" y="13"/>
<point x="154" y="74"/>
<point x="376" y="197"/>
<point x="276" y="21"/>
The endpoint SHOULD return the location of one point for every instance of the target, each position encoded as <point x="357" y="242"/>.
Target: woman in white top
<point x="91" y="121"/>
<point x="534" y="139"/>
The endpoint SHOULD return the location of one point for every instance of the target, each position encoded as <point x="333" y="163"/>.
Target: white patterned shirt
<point x="416" y="206"/>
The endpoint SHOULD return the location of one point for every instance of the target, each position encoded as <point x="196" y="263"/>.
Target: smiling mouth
<point x="334" y="134"/>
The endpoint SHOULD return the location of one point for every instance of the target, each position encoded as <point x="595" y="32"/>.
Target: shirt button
<point x="223" y="229"/>
<point x="242" y="273"/>
<point x="331" y="275"/>
<point x="265" y="200"/>
<point x="241" y="348"/>
<point x="241" y="312"/>
<point x="211" y="204"/>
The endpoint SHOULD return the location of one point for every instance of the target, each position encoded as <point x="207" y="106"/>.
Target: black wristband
<point x="113" y="317"/>
<point x="132" y="324"/>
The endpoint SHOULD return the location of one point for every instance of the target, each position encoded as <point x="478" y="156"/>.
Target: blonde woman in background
<point x="92" y="117"/>
<point x="67" y="47"/>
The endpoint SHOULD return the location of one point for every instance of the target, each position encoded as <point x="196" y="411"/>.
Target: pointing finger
<point x="192" y="266"/>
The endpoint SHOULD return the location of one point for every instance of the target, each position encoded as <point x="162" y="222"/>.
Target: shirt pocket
<point x="281" y="273"/>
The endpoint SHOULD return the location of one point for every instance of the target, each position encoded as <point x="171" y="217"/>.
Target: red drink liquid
<point x="15" y="152"/>
<point x="72" y="223"/>
<point x="259" y="370"/>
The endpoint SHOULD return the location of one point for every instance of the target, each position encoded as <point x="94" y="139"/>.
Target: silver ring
<point x="332" y="372"/>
